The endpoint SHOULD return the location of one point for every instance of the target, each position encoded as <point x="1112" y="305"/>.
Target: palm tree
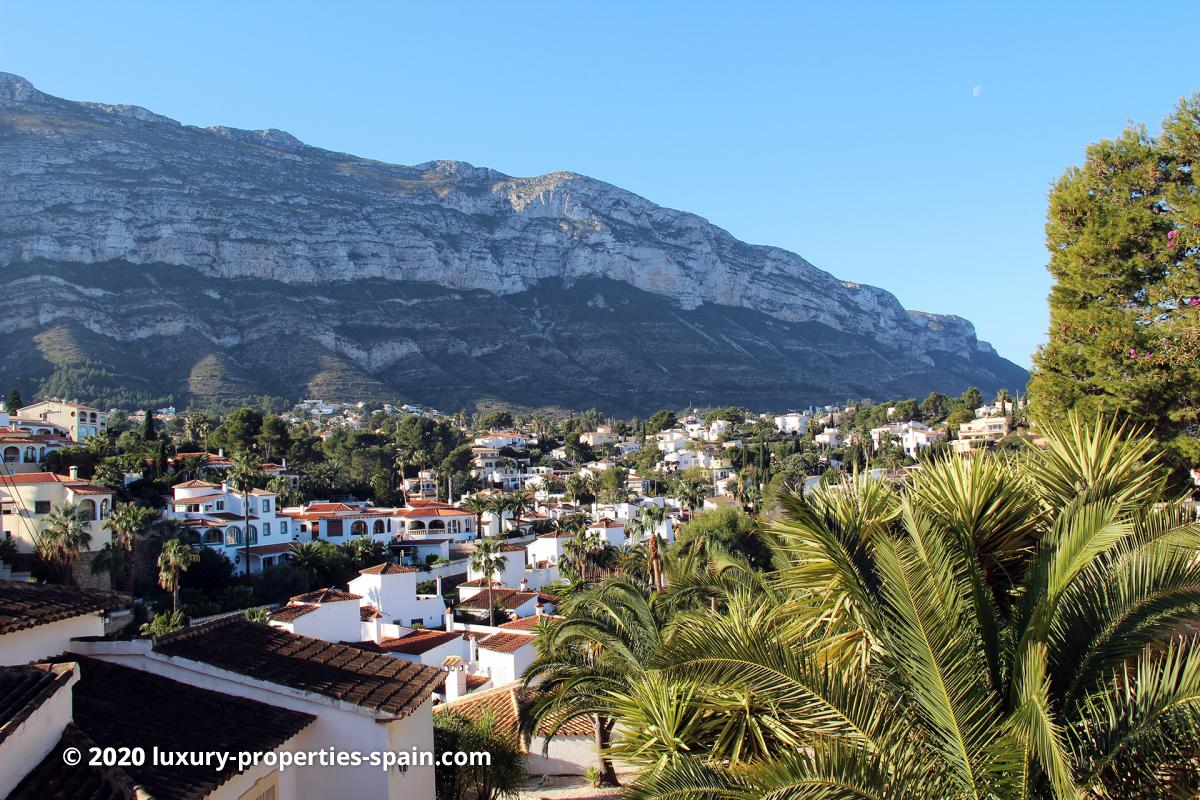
<point x="498" y="505"/>
<point x="190" y="466"/>
<point x="245" y="472"/>
<point x="611" y="632"/>
<point x="995" y="629"/>
<point x="127" y="523"/>
<point x="648" y="524"/>
<point x="162" y="624"/>
<point x="311" y="557"/>
<point x="487" y="560"/>
<point x="365" y="551"/>
<point x="63" y="536"/>
<point x="173" y="561"/>
<point x="477" y="504"/>
<point x="518" y="503"/>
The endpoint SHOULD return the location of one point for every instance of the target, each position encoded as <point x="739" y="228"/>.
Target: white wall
<point x="336" y="726"/>
<point x="43" y="641"/>
<point x="26" y="746"/>
<point x="333" y="622"/>
<point x="506" y="667"/>
<point x="396" y="596"/>
<point x="568" y="755"/>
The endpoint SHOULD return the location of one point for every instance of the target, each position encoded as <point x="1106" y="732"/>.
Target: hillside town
<point x="353" y="573"/>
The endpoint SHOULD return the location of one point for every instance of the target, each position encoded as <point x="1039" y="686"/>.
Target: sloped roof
<point x="506" y="703"/>
<point x="26" y="605"/>
<point x="118" y="706"/>
<point x="505" y="642"/>
<point x="374" y="681"/>
<point x="24" y="688"/>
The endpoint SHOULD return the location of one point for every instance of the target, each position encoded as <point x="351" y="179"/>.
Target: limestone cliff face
<point x="93" y="184"/>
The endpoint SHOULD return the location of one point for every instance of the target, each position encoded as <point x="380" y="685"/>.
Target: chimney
<point x="539" y="610"/>
<point x="377" y="628"/>
<point x="523" y="585"/>
<point x="456" y="677"/>
<point x="283" y="463"/>
<point x="73" y="472"/>
<point x="437" y="585"/>
<point x="221" y="452"/>
<point x="449" y="618"/>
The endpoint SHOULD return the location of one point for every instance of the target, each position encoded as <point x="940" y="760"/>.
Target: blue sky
<point x="908" y="148"/>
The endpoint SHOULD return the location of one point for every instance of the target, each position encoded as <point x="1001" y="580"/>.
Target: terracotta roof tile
<point x="387" y="569"/>
<point x="293" y="612"/>
<point x="382" y="683"/>
<point x="506" y="642"/>
<point x="325" y="596"/>
<point x="530" y="623"/>
<point x="506" y="704"/>
<point x="25" y="605"/>
<point x="505" y="598"/>
<point x="24" y="688"/>
<point x="118" y="706"/>
<point x="413" y="644"/>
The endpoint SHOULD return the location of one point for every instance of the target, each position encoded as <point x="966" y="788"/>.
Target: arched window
<point x="437" y="525"/>
<point x="233" y="535"/>
<point x="11" y="454"/>
<point x="212" y="536"/>
<point x="193" y="536"/>
<point x="30" y="455"/>
<point x="104" y="508"/>
<point x="88" y="509"/>
<point x="358" y="528"/>
<point x="378" y="526"/>
<point x="253" y="534"/>
<point x="416" y="525"/>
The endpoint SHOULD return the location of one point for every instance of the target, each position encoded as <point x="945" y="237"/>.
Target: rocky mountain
<point x="211" y="264"/>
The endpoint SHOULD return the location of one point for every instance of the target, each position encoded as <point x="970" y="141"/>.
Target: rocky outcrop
<point x="91" y="184"/>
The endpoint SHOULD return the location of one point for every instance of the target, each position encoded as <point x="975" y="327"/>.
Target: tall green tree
<point x="15" y="402"/>
<point x="245" y="474"/>
<point x="1123" y="232"/>
<point x="174" y="559"/>
<point x="488" y="561"/>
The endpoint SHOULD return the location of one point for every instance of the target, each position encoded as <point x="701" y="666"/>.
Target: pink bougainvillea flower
<point x="1172" y="236"/>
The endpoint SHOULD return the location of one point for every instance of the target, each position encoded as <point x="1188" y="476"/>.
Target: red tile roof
<point x="23" y="689"/>
<point x="415" y="643"/>
<point x="325" y="596"/>
<point x="388" y="685"/>
<point x="506" y="704"/>
<point x="118" y="706"/>
<point x="505" y="598"/>
<point x="26" y="605"/>
<point x="530" y="623"/>
<point x="387" y="568"/>
<point x="293" y="612"/>
<point x="506" y="642"/>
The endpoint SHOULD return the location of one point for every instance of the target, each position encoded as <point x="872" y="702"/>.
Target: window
<point x="41" y="507"/>
<point x="378" y="526"/>
<point x="88" y="508"/>
<point x="266" y="529"/>
<point x="11" y="454"/>
<point x="253" y="534"/>
<point x="233" y="535"/>
<point x="212" y="537"/>
<point x="283" y="528"/>
<point x="266" y="505"/>
<point x="358" y="528"/>
<point x="30" y="455"/>
<point x="268" y="561"/>
<point x="220" y="505"/>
